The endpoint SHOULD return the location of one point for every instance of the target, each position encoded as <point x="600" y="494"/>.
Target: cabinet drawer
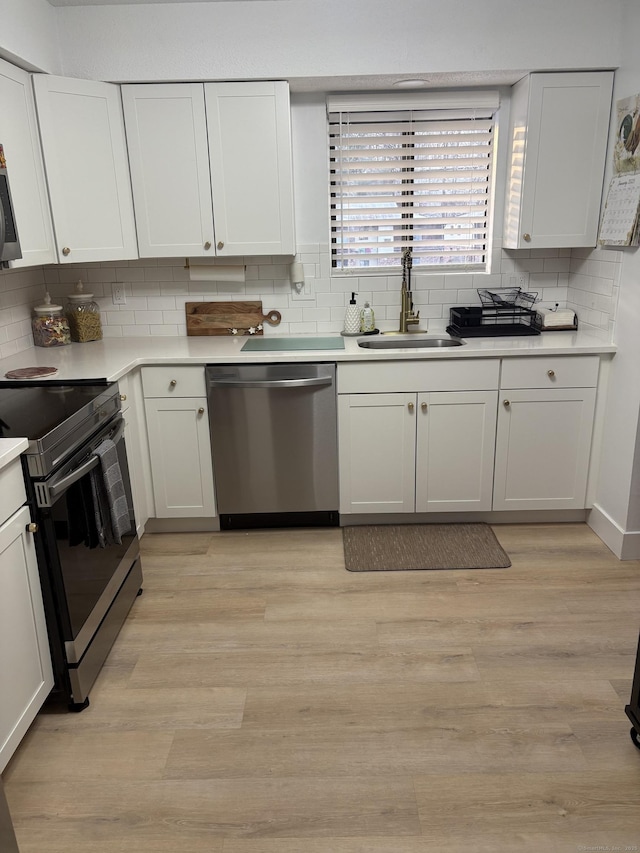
<point x="465" y="374"/>
<point x="567" y="371"/>
<point x="173" y="381"/>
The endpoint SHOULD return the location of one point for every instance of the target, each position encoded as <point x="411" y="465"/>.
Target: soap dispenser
<point x="367" y="319"/>
<point x="351" y="318"/>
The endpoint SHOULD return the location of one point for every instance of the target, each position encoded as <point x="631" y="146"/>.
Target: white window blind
<point x="411" y="173"/>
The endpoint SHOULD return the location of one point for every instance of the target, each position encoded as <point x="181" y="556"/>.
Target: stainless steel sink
<point x="412" y="341"/>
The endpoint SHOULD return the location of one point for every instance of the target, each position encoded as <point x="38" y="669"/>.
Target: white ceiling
<point x="130" y="2"/>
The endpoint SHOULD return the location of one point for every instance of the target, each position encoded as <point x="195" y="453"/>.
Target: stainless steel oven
<point x="89" y="575"/>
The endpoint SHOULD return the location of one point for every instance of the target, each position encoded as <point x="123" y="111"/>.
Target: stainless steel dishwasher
<point x="274" y="444"/>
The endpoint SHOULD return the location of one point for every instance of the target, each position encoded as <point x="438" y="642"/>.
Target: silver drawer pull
<point x="506" y="403"/>
<point x="173" y="383"/>
<point x="551" y="373"/>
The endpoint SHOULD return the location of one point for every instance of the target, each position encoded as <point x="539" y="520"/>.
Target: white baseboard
<point x="625" y="544"/>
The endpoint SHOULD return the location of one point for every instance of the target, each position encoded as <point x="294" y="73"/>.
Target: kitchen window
<point x="411" y="170"/>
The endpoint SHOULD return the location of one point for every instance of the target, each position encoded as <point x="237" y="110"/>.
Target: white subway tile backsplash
<point x="157" y="289"/>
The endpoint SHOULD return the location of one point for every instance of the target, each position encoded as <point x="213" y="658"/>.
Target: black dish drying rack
<point x="503" y="311"/>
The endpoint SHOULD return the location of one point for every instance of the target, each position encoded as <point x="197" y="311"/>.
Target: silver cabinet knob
<point x="410" y="407"/>
<point x="123" y="397"/>
<point x="423" y="406"/>
<point x="32" y="527"/>
<point x="551" y="373"/>
<point x="220" y="244"/>
<point x="526" y="238"/>
<point x="201" y="411"/>
<point x="173" y="383"/>
<point x="506" y="403"/>
<point x="66" y="251"/>
<point x="207" y="245"/>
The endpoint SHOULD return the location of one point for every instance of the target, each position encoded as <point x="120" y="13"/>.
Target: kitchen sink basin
<point x="405" y="341"/>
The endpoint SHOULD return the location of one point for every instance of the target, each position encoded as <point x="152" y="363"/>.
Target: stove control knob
<point x="32" y="527"/>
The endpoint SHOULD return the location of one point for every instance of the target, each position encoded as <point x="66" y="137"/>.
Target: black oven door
<point x="85" y="574"/>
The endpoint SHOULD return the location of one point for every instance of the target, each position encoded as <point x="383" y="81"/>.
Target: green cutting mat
<point x="269" y="344"/>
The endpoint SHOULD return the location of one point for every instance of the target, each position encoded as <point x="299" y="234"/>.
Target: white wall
<point x="616" y="517"/>
<point x="28" y="35"/>
<point x="330" y="38"/>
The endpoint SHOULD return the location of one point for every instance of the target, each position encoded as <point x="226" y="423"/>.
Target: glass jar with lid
<point x="49" y="325"/>
<point x="84" y="316"/>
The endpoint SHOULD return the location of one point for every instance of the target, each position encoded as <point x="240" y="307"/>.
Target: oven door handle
<point x="56" y="488"/>
<point x="3" y="229"/>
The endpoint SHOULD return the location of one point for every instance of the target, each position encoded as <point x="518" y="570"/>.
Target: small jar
<point x="84" y="316"/>
<point x="49" y="325"/>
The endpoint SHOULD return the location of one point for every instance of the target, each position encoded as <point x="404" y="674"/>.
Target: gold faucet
<point x="407" y="315"/>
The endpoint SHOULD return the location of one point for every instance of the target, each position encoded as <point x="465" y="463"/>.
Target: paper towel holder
<point x="296" y="275"/>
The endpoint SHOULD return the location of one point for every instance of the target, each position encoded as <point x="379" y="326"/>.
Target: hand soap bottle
<point x="367" y="319"/>
<point x="352" y="318"/>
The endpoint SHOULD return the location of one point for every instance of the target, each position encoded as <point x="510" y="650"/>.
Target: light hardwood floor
<point x="261" y="699"/>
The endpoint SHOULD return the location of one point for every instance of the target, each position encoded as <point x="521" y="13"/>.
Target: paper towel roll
<point x="204" y="269"/>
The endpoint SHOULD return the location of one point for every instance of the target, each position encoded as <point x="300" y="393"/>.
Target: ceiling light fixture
<point x="410" y="83"/>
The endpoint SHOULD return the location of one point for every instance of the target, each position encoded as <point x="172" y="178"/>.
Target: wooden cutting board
<point x="228" y="318"/>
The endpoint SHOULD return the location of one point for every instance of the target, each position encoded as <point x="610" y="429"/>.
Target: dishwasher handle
<point x="270" y="383"/>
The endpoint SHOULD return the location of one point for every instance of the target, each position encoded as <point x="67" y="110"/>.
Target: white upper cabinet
<point x="249" y="127"/>
<point x="211" y="168"/>
<point x="558" y="141"/>
<point x="85" y="157"/>
<point x="169" y="160"/>
<point x="19" y="136"/>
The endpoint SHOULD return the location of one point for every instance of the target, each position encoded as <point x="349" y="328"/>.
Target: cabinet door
<point x="180" y="451"/>
<point x="376" y="435"/>
<point x="87" y="169"/>
<point x="542" y="448"/>
<point x="249" y="127"/>
<point x="19" y="136"/>
<point x="455" y="450"/>
<point x="25" y="662"/>
<point x="559" y="130"/>
<point x="169" y="160"/>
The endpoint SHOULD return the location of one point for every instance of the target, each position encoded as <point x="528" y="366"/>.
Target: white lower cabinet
<point x="543" y="447"/>
<point x="179" y="444"/>
<point x="454" y="450"/>
<point x="25" y="661"/>
<point x="377" y="451"/>
<point x="545" y="424"/>
<point x="469" y="436"/>
<point x="425" y="452"/>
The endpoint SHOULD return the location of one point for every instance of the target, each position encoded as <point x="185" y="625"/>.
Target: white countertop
<point x="10" y="449"/>
<point x="112" y="358"/>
